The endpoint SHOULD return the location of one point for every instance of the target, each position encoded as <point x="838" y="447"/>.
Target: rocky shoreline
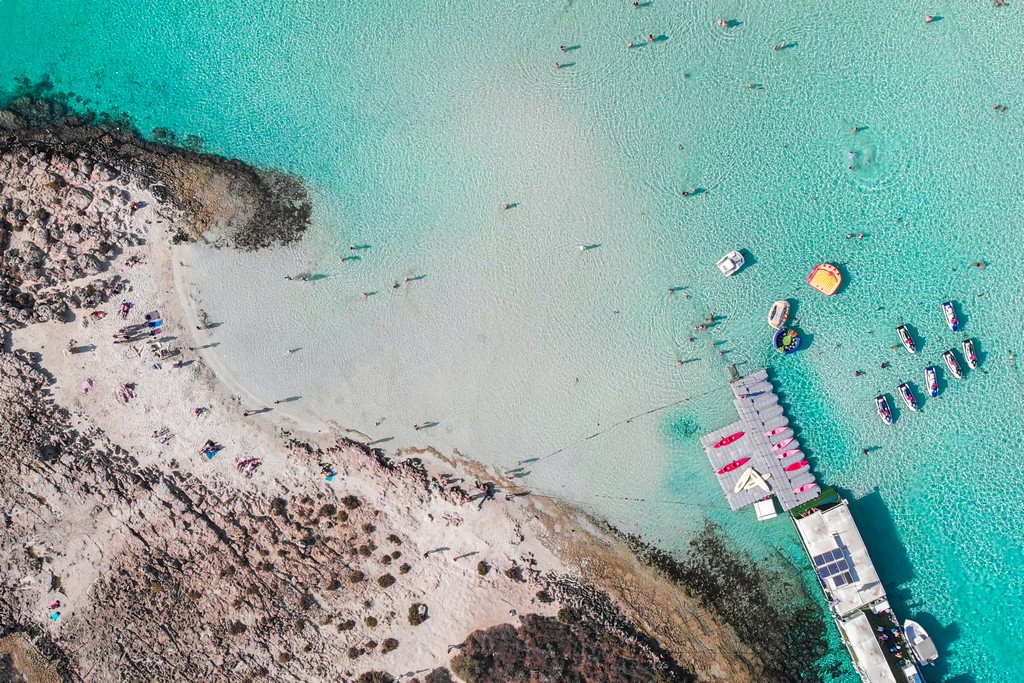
<point x="154" y="562"/>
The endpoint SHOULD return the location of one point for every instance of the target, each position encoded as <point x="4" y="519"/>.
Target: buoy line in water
<point x="572" y="501"/>
<point x="628" y="420"/>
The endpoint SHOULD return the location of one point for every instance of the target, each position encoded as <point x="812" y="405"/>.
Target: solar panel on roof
<point x="833" y="569"/>
<point x="843" y="564"/>
<point x="819" y="560"/>
<point x="839" y="580"/>
<point x="836" y="554"/>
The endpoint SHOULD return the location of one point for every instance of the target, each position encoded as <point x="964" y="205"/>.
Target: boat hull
<point x="953" y="364"/>
<point x="931" y="381"/>
<point x="906" y="339"/>
<point x="969" y="355"/>
<point x="883" y="409"/>
<point x="950" y="314"/>
<point x="778" y="315"/>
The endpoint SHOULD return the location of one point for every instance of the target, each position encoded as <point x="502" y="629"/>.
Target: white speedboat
<point x="779" y="314"/>
<point x="908" y="396"/>
<point x="731" y="263"/>
<point x="920" y="642"/>
<point x="950" y="314"/>
<point x="908" y="341"/>
<point x="882" y="406"/>
<point x="931" y="381"/>
<point x="953" y="364"/>
<point x="969" y="355"/>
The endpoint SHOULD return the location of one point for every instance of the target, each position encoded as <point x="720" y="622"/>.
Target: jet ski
<point x="969" y="355"/>
<point x="953" y="364"/>
<point x="947" y="310"/>
<point x="884" y="412"/>
<point x="931" y="382"/>
<point x="908" y="341"/>
<point x="908" y="396"/>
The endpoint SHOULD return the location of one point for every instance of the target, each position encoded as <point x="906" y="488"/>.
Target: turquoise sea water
<point x="415" y="122"/>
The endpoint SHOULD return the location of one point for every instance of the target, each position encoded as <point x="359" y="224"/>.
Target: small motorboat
<point x="798" y="465"/>
<point x="729" y="439"/>
<point x="731" y="263"/>
<point x="931" y="381"/>
<point x="947" y="310"/>
<point x="735" y="464"/>
<point x="825" y="278"/>
<point x="908" y="396"/>
<point x="969" y="355"/>
<point x="788" y="454"/>
<point x="775" y="431"/>
<point x="908" y="341"/>
<point x="804" y="487"/>
<point x="786" y="341"/>
<point x="782" y="444"/>
<point x="953" y="364"/>
<point x="779" y="314"/>
<point x="920" y="642"/>
<point x="884" y="412"/>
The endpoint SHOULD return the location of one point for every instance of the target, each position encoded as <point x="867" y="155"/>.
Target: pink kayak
<point x="799" y="465"/>
<point x="729" y="439"/>
<point x="733" y="465"/>
<point x="788" y="454"/>
<point x="782" y="444"/>
<point x="804" y="487"/>
<point x="777" y="430"/>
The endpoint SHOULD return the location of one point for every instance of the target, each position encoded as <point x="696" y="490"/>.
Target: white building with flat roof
<point x="840" y="559"/>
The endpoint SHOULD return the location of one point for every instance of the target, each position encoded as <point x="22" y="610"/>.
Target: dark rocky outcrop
<point x="783" y="628"/>
<point x="546" y="649"/>
<point x="246" y="207"/>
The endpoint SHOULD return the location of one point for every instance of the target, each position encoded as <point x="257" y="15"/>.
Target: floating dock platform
<point x="751" y="472"/>
<point x="764" y="474"/>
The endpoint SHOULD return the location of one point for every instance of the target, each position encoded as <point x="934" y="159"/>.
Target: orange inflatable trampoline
<point x="825" y="278"/>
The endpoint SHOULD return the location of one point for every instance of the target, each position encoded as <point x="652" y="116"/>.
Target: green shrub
<point x="470" y="668"/>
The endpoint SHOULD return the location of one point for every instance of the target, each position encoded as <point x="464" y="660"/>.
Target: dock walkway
<point x="764" y="474"/>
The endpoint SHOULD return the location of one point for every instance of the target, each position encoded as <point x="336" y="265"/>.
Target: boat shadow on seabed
<point x="895" y="571"/>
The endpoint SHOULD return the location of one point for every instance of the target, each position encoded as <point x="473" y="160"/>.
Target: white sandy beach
<point x="442" y="538"/>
